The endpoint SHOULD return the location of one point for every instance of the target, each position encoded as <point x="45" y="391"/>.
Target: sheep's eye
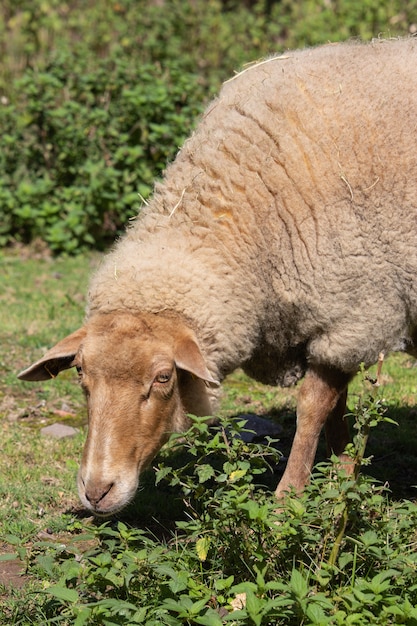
<point x="163" y="377"/>
<point x="79" y="370"/>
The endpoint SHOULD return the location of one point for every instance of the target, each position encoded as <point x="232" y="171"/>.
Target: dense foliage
<point x="341" y="554"/>
<point x="96" y="97"/>
<point x="87" y="144"/>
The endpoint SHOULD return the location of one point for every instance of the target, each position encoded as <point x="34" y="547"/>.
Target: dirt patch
<point x="12" y="574"/>
<point x="38" y="249"/>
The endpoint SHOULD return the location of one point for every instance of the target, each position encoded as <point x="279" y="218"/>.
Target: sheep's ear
<point x="188" y="357"/>
<point x="58" y="358"/>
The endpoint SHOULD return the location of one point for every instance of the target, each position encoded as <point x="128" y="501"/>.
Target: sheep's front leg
<point x="321" y="400"/>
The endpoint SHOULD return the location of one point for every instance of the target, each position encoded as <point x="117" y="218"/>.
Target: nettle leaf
<point x="202" y="547"/>
<point x="223" y="583"/>
<point x="10" y="556"/>
<point x="178" y="579"/>
<point x="62" y="593"/>
<point x="369" y="538"/>
<point x="316" y="614"/>
<point x="296" y="506"/>
<point x="204" y="472"/>
<point x="298" y="584"/>
<point x="339" y="508"/>
<point x="237" y="475"/>
<point x="211" y="618"/>
<point x="254" y="510"/>
<point x="382" y="581"/>
<point x="254" y="607"/>
<point x="162" y="473"/>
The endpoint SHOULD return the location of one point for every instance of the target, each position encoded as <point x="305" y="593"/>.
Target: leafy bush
<point x="82" y="147"/>
<point x="314" y="22"/>
<point x="340" y="554"/>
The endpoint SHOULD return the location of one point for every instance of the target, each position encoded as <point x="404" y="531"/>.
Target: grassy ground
<point x="41" y="300"/>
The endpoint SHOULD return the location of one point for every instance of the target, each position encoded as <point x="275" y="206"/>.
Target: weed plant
<point x="341" y="553"/>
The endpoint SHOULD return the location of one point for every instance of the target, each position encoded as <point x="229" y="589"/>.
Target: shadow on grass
<point x="392" y="448"/>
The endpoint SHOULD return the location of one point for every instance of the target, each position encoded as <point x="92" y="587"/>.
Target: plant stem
<point x="362" y="440"/>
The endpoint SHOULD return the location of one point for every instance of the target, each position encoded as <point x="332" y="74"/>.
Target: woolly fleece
<point x="285" y="231"/>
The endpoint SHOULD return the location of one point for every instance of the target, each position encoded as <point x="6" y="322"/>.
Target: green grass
<point x="41" y="300"/>
<point x="190" y="514"/>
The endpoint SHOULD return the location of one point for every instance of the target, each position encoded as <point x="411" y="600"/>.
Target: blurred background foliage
<point x="96" y="96"/>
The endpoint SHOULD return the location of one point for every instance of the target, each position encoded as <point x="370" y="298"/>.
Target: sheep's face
<point x="141" y="375"/>
<point x="131" y="385"/>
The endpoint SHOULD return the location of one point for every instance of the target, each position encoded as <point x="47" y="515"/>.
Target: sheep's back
<point x="308" y="172"/>
<point x="301" y="178"/>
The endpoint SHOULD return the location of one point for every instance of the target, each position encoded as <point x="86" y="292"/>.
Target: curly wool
<point x="285" y="231"/>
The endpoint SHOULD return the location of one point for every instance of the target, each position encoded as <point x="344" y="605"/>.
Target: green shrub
<point x="83" y="147"/>
<point x="317" y="21"/>
<point x="340" y="554"/>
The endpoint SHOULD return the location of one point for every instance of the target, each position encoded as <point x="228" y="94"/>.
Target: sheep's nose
<point x="96" y="493"/>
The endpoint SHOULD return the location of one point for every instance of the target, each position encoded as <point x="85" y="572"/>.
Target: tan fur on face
<point x="132" y="412"/>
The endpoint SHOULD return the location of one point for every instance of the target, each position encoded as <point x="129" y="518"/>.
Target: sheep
<point x="281" y="240"/>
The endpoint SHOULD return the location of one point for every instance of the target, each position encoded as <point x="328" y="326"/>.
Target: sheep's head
<point x="141" y="375"/>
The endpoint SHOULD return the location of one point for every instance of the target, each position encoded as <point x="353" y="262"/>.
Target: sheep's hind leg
<point x="322" y="398"/>
<point x="337" y="434"/>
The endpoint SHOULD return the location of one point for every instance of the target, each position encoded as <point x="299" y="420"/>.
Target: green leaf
<point x="223" y="583"/>
<point x="82" y="617"/>
<point x="316" y="614"/>
<point x="254" y="607"/>
<point x="162" y="473"/>
<point x="8" y="557"/>
<point x="296" y="506"/>
<point x="13" y="540"/>
<point x="237" y="475"/>
<point x="204" y="472"/>
<point x="382" y="581"/>
<point x="298" y="584"/>
<point x="211" y="618"/>
<point x="369" y="538"/>
<point x="179" y="579"/>
<point x="199" y="605"/>
<point x="339" y="509"/>
<point x="62" y="593"/>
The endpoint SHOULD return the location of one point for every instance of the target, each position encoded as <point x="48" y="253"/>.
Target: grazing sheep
<point x="283" y="240"/>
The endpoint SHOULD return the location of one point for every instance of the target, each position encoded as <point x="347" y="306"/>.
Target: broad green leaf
<point x="83" y="617"/>
<point x="62" y="593"/>
<point x="8" y="557"/>
<point x="298" y="584"/>
<point x="316" y="614"/>
<point x="211" y="618"/>
<point x="254" y="607"/>
<point x="237" y="475"/>
<point x="205" y="472"/>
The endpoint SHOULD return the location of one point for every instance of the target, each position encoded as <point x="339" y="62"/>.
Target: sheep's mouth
<point x="105" y="511"/>
<point x="112" y="499"/>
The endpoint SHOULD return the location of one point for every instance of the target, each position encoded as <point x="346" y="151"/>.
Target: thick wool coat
<point x="285" y="231"/>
